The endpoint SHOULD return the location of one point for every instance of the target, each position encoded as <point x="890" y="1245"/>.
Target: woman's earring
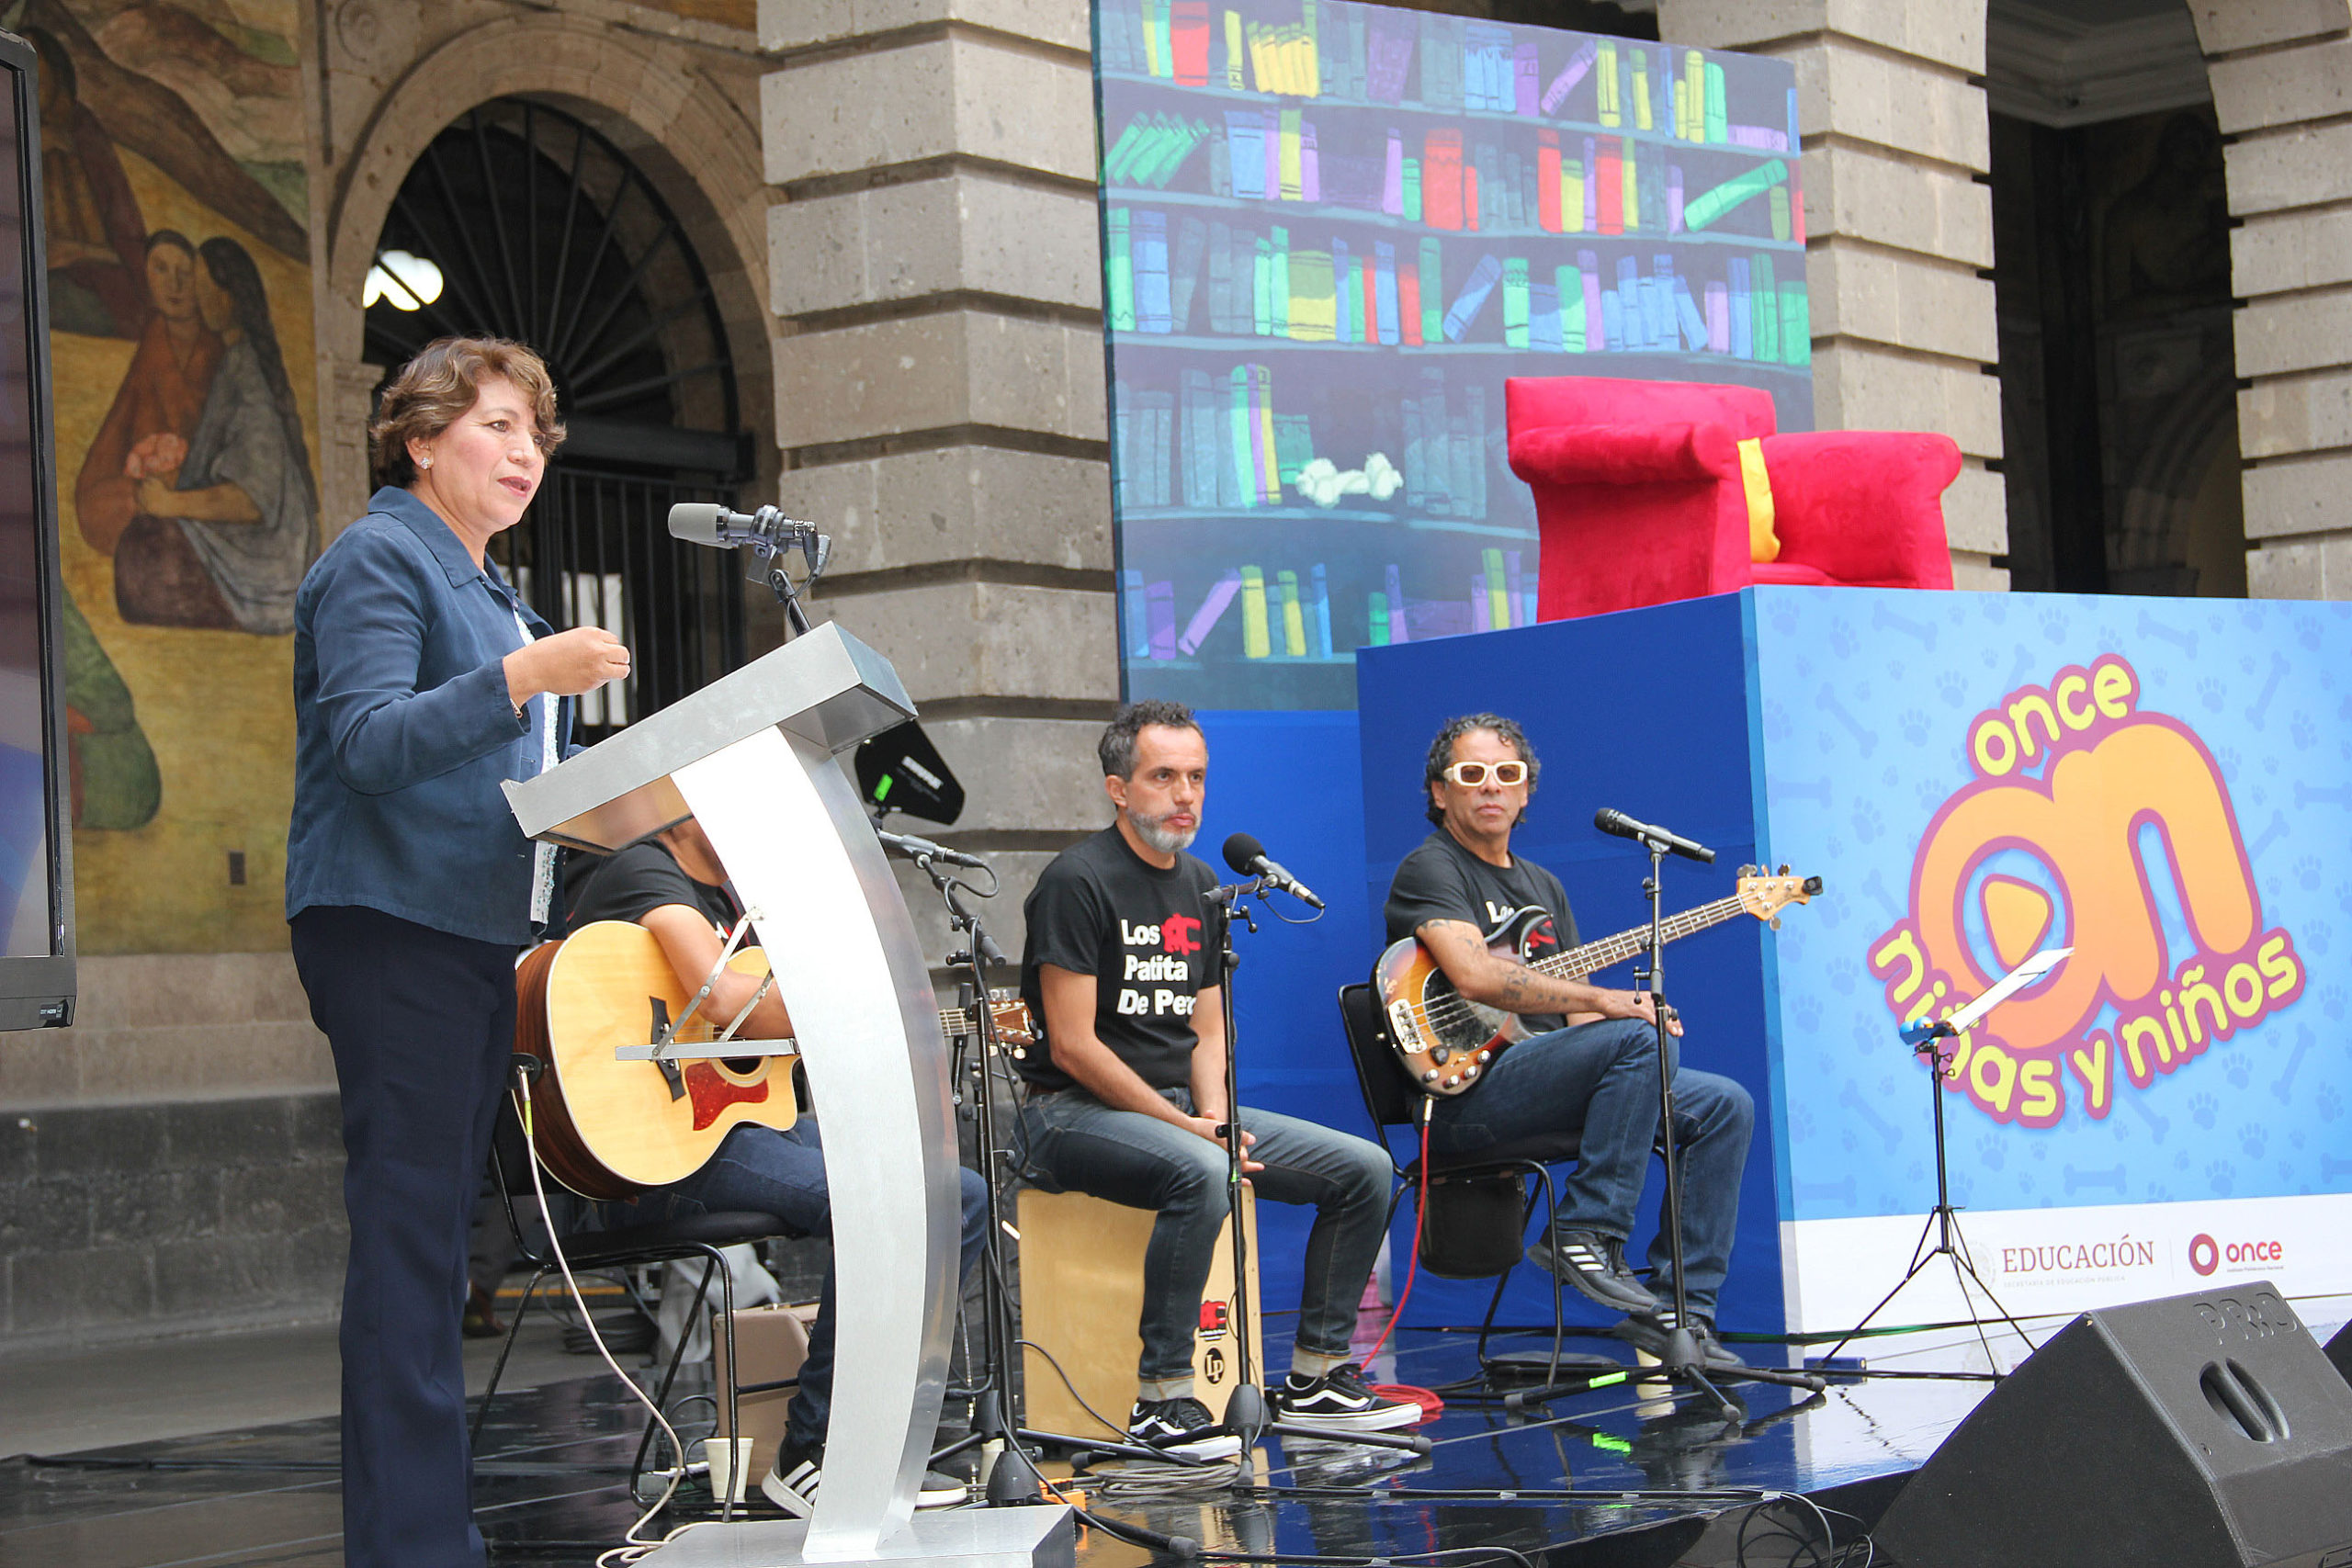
<point x="425" y="462"/>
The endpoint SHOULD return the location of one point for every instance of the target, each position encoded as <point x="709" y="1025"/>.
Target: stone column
<point x="2282" y="86"/>
<point x="935" y="265"/>
<point x="1899" y="230"/>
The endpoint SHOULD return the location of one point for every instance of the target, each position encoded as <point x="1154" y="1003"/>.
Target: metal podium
<point x="751" y="756"/>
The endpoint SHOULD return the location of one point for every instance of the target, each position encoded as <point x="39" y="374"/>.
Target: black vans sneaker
<point x="1340" y="1402"/>
<point x="1180" y="1427"/>
<point x="1595" y="1265"/>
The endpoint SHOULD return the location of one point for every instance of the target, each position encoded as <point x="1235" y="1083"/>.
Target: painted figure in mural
<point x="97" y="238"/>
<point x="161" y="397"/>
<point x="222" y="539"/>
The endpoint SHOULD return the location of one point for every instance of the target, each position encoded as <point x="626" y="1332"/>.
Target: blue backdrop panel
<point x="1291" y="780"/>
<point x="1647" y="712"/>
<point x="1954" y="759"/>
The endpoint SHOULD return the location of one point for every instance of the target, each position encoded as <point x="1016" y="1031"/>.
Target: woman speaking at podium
<point x="420" y="681"/>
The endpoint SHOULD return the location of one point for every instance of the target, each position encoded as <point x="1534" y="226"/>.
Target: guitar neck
<point x="1592" y="956"/>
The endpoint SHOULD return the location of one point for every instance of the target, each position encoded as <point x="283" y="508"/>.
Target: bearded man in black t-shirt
<point x="673" y="886"/>
<point x="1127" y="1094"/>
<point x="1586" y="1084"/>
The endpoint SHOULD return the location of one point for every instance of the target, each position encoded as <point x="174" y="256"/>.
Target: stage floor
<point x="1614" y="1476"/>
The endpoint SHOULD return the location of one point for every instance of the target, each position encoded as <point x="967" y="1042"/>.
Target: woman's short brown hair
<point x="432" y="391"/>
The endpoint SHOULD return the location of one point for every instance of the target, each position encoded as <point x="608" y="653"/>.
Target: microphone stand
<point x="1013" y="1478"/>
<point x="1245" y="1410"/>
<point x="1680" y="1363"/>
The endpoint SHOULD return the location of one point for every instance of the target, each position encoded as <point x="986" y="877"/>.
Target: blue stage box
<point x="2159" y="783"/>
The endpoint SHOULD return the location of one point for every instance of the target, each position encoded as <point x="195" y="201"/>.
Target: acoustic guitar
<point x="609" y="1129"/>
<point x="1446" y="1041"/>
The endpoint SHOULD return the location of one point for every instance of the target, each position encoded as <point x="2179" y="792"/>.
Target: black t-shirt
<point x="1145" y="935"/>
<point x="645" y="876"/>
<point x="1442" y="881"/>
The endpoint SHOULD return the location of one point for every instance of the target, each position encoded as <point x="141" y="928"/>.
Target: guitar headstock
<point x="1013" y="1025"/>
<point x="1765" y="894"/>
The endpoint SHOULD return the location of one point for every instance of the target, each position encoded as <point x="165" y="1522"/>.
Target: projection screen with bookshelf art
<point x="1330" y="232"/>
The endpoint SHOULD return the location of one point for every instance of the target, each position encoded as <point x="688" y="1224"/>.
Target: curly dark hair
<point x="1117" y="747"/>
<point x="1441" y="752"/>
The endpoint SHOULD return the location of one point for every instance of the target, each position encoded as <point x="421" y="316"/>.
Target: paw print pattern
<point x="1851" y="1139"/>
<point x="2302" y="732"/>
<point x="1932" y="794"/>
<point x="1841" y="639"/>
<point x="2217" y="1177"/>
<point x="1776" y="722"/>
<point x="2212" y="693"/>
<point x="2228" y="757"/>
<point x="2159" y="1193"/>
<point x="2307" y="871"/>
<point x="1868" y="822"/>
<point x="1915" y="726"/>
<point x="1785" y="618"/>
<point x="1952" y="687"/>
<point x="2055" y="624"/>
<point x="2327" y="1102"/>
<point x="2316" y="938"/>
<point x="2253" y="1140"/>
<point x="2238" y="1073"/>
<point x="2041" y="1151"/>
<point x="2344" y="897"/>
<point x="2203" y="1109"/>
<point x="1844" y="975"/>
<point x="2181" y="1160"/>
<point x="1991" y="1153"/>
<point x="1801" y="1122"/>
<point x="2331" y="1002"/>
<point x="1807" y="1012"/>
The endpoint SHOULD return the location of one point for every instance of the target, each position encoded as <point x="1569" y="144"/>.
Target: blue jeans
<point x="762" y="1172"/>
<point x="1074" y="1143"/>
<point x="1593" y="1089"/>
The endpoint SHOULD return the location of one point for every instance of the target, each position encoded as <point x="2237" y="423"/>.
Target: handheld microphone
<point x="1625" y="826"/>
<point x="923" y="849"/>
<point x="765" y="531"/>
<point x="1248" y="856"/>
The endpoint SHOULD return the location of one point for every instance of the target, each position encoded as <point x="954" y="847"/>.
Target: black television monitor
<point x="35" y="821"/>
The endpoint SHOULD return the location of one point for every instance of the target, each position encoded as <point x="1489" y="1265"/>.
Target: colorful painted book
<point x="1579" y="64"/>
<point x="1294" y="617"/>
<point x="1205" y="619"/>
<point x="1433" y="289"/>
<point x="1387" y="304"/>
<point x="1515" y="302"/>
<point x="1120" y="265"/>
<point x="1184" y="271"/>
<point x="1152" y="305"/>
<point x="1442" y="179"/>
<point x="1188" y="37"/>
<point x="1160" y="618"/>
<point x="1257" y="641"/>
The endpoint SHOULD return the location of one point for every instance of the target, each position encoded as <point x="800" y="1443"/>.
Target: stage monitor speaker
<point x="2198" y="1431"/>
<point x="2339" y="1350"/>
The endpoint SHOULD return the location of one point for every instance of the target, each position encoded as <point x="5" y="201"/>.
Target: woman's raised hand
<point x="568" y="664"/>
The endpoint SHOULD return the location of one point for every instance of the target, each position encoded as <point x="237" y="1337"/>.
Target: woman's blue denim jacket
<point x="403" y="730"/>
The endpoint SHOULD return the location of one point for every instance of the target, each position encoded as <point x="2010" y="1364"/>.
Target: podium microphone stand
<point x="1929" y="1038"/>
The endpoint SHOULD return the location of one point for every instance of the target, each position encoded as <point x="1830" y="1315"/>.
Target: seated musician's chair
<point x="630" y="1246"/>
<point x="1475" y="1225"/>
<point x="1647" y="491"/>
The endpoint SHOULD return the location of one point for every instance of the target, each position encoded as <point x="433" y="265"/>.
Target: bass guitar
<point x="609" y="1129"/>
<point x="1445" y="1040"/>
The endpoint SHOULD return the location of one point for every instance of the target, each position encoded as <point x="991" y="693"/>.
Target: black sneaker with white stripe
<point x="1595" y="1265"/>
<point x="1647" y="1332"/>
<point x="1339" y="1401"/>
<point x="791" y="1483"/>
<point x="1181" y="1426"/>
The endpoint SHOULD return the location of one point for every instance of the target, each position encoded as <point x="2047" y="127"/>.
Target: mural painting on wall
<point x="176" y="211"/>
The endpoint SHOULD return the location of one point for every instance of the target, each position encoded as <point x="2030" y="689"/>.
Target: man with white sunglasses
<point x="1585" y="1086"/>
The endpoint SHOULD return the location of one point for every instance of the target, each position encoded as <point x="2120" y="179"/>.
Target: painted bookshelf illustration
<point x="1330" y="232"/>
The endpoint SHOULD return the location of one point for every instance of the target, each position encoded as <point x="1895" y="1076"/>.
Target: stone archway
<point x="658" y="101"/>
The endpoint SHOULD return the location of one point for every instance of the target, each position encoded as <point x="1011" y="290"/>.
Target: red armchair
<point x="1642" y="495"/>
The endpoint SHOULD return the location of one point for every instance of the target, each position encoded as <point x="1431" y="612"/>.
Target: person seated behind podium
<point x="1127" y="1092"/>
<point x="1590" y="1076"/>
<point x="673" y="886"/>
